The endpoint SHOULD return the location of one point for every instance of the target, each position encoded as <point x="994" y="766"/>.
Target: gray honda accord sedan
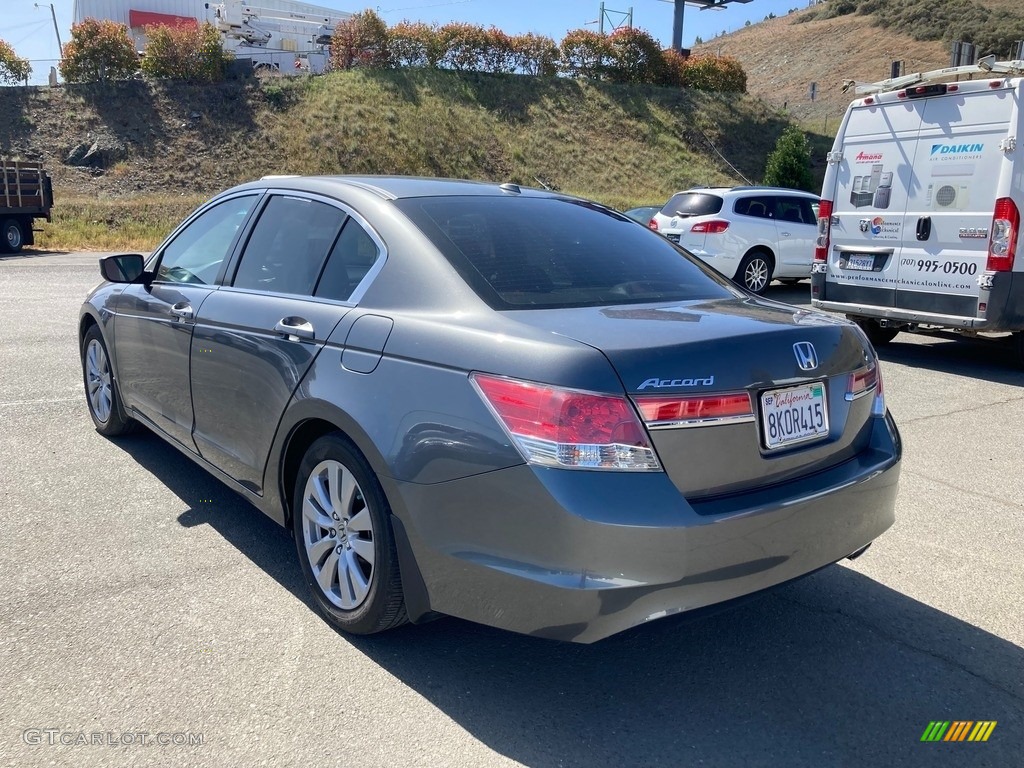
<point x="492" y="402"/>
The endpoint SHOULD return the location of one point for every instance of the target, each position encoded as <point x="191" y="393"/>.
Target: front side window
<point x="288" y="245"/>
<point x="197" y="252"/>
<point x="539" y="252"/>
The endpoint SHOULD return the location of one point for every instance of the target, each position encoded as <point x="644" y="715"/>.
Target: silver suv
<point x="751" y="234"/>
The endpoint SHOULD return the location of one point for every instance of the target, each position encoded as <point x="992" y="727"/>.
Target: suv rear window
<point x="542" y="253"/>
<point x="692" y="204"/>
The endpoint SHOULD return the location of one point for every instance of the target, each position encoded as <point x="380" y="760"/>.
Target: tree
<point x="362" y="41"/>
<point x="789" y="165"/>
<point x="586" y="54"/>
<point x="184" y="53"/>
<point x="13" y="70"/>
<point x="99" y="50"/>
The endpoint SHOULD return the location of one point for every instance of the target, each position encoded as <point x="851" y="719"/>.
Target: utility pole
<point x="677" y="26"/>
<point x="56" y="29"/>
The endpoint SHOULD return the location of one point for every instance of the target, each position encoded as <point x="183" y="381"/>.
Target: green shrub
<point x="192" y="53"/>
<point x="789" y="165"/>
<point x="712" y="73"/>
<point x="535" y="55"/>
<point x="99" y="50"/>
<point x="362" y="40"/>
<point x="413" y="44"/>
<point x="636" y="57"/>
<point x="586" y="54"/>
<point x="13" y="70"/>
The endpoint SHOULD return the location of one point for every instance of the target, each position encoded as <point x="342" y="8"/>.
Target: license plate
<point x="673" y="237"/>
<point x="860" y="261"/>
<point x="794" y="414"/>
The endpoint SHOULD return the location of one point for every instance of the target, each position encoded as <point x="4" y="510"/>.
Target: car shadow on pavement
<point x="212" y="503"/>
<point x="988" y="359"/>
<point x="834" y="669"/>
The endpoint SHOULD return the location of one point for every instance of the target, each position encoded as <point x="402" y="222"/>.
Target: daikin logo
<point x="956" y="149"/>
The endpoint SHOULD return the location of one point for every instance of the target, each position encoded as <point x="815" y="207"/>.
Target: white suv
<point x="751" y="234"/>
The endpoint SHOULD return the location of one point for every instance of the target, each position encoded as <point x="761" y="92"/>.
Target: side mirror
<point x="123" y="268"/>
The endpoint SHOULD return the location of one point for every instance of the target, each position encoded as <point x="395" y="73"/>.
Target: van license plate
<point x="861" y="261"/>
<point x="794" y="414"/>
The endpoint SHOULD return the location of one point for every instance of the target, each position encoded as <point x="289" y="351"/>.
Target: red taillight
<point x="713" y="227"/>
<point x="674" y="410"/>
<point x="862" y="381"/>
<point x="823" y="240"/>
<point x="560" y="427"/>
<point x="653" y="224"/>
<point x="1002" y="244"/>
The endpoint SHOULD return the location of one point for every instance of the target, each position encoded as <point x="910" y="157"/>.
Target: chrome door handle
<point x="295" y="328"/>
<point x="182" y="310"/>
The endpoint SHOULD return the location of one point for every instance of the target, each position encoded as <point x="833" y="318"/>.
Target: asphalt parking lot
<point x="149" y="612"/>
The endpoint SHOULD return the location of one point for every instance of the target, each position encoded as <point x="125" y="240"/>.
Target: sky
<point x="29" y="29"/>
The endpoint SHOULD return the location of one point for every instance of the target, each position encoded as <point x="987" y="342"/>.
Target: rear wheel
<point x="755" y="272"/>
<point x="342" y="526"/>
<point x="12" y="236"/>
<point x="100" y="388"/>
<point x="876" y="333"/>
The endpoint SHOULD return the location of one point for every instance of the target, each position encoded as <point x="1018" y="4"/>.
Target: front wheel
<point x="12" y="236"/>
<point x="755" y="272"/>
<point x="100" y="388"/>
<point x="877" y="334"/>
<point x="342" y="527"/>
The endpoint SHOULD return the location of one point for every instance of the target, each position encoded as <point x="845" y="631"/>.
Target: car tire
<point x="12" y="236"/>
<point x="101" y="394"/>
<point x="877" y="335"/>
<point x="341" y="522"/>
<point x="755" y="271"/>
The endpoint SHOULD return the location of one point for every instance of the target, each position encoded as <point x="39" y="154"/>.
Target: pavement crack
<point x="970" y="491"/>
<point x="901" y="641"/>
<point x="958" y="411"/>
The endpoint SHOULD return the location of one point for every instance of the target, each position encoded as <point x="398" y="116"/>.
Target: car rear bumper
<point x="579" y="556"/>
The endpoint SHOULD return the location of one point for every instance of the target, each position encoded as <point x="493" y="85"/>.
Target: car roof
<point x="750" y="188"/>
<point x="396" y="187"/>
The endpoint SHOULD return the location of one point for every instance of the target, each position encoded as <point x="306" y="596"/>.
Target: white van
<point x="920" y="213"/>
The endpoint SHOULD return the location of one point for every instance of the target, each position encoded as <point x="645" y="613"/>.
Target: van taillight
<point x="653" y="224"/>
<point x="1002" y="242"/>
<point x="714" y="227"/>
<point x="824" y="231"/>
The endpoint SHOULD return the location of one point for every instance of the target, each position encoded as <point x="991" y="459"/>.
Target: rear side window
<point x="529" y="252"/>
<point x="796" y="210"/>
<point x="692" y="204"/>
<point x="761" y="207"/>
<point x="350" y="260"/>
<point x="289" y="245"/>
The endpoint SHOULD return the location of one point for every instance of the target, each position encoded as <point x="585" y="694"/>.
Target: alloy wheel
<point x="337" y="532"/>
<point x="97" y="370"/>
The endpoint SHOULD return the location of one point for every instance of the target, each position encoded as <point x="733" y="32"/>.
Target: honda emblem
<point x="806" y="357"/>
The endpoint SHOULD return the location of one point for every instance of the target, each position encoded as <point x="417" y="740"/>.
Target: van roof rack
<point x="986" y="65"/>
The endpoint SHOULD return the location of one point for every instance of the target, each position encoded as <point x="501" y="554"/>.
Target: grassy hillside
<point x="129" y="151"/>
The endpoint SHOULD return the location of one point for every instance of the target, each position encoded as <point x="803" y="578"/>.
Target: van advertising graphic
<point x="880" y="229"/>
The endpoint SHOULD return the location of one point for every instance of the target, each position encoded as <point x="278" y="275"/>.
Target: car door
<point x="154" y="322"/>
<point x="796" y="226"/>
<point x="255" y="339"/>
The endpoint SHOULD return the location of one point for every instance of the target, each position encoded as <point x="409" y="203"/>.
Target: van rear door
<point x="951" y="200"/>
<point x="869" y="221"/>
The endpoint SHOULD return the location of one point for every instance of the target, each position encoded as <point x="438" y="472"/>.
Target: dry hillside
<point x="783" y="56"/>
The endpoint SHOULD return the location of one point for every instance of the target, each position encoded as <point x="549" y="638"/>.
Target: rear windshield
<point x="542" y="253"/>
<point x="692" y="204"/>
